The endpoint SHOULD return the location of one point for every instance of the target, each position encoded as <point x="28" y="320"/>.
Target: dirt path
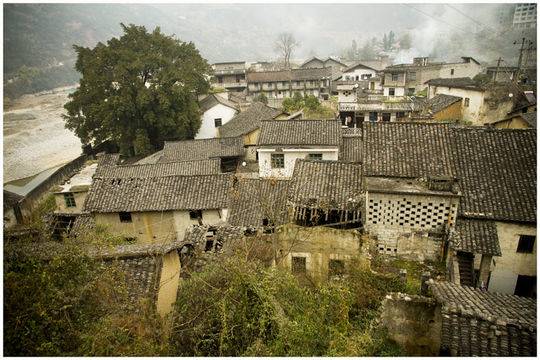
<point x="34" y="135"/>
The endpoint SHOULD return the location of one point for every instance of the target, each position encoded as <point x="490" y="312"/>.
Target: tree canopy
<point x="137" y="91"/>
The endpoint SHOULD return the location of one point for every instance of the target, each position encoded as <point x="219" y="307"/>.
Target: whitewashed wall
<point x="265" y="165"/>
<point x="358" y="73"/>
<point x="209" y="217"/>
<point x="399" y="91"/>
<point x="208" y="129"/>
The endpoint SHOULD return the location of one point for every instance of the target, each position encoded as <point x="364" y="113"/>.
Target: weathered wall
<point x="208" y="129"/>
<point x="452" y="112"/>
<point x="409" y="225"/>
<point x="146" y="227"/>
<point x="470" y="113"/>
<point x="511" y="263"/>
<point x="266" y="170"/>
<point x="318" y="245"/>
<point x="514" y="123"/>
<point x="414" y="322"/>
<point x="61" y="203"/>
<point x="182" y="221"/>
<point x="168" y="283"/>
<point x="489" y="114"/>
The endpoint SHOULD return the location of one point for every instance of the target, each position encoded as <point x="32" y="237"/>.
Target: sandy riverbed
<point x="34" y="135"/>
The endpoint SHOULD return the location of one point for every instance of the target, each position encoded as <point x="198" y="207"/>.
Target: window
<point x="298" y="265"/>
<point x="395" y="77"/>
<point x="195" y="214"/>
<point x="451" y="71"/>
<point x="410" y="91"/>
<point x="525" y="286"/>
<point x="336" y="268"/>
<point x="391" y="91"/>
<point x="400" y="114"/>
<point x="220" y="80"/>
<point x="278" y="161"/>
<point x="217" y="122"/>
<point x="125" y="217"/>
<point x="69" y="198"/>
<point x="466" y="102"/>
<point x="526" y="244"/>
<point x="412" y="76"/>
<point x="314" y="156"/>
<point x="357" y="78"/>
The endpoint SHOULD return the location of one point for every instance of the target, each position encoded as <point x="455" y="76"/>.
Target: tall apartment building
<point x="524" y="16"/>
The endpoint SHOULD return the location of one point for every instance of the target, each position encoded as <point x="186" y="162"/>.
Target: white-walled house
<point x="358" y="72"/>
<point x="216" y="111"/>
<point x="282" y="142"/>
<point x="481" y="104"/>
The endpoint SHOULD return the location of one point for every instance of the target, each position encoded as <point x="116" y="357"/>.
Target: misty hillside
<point x="38" y="38"/>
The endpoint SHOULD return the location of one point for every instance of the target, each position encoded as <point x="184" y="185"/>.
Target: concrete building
<point x="524" y="16"/>
<point x="216" y="111"/>
<point x="282" y="142"/>
<point x="230" y="75"/>
<point x="407" y="79"/>
<point x="282" y="84"/>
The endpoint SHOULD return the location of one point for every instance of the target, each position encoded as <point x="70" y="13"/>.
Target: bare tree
<point x="285" y="45"/>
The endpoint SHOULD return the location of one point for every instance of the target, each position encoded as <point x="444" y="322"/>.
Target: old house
<point x="282" y="84"/>
<point x="407" y="79"/>
<point x="247" y="124"/>
<point x="336" y="66"/>
<point x="156" y="208"/>
<point x="480" y="323"/>
<point x="353" y="114"/>
<point x="411" y="194"/>
<point x="443" y="107"/>
<point x="216" y="111"/>
<point x="517" y="121"/>
<point x="481" y="104"/>
<point x="358" y="72"/>
<point x="281" y="143"/>
<point x="230" y="75"/>
<point x="229" y="151"/>
<point x="496" y="232"/>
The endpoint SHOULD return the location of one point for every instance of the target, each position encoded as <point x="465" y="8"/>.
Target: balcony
<point x="232" y="85"/>
<point x="229" y="72"/>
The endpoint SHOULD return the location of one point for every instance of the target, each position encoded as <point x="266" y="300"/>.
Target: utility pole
<point x="521" y="49"/>
<point x="497" y="71"/>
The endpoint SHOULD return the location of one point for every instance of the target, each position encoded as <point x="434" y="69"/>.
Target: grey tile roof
<point x="252" y="200"/>
<point x="158" y="194"/>
<point x="440" y="102"/>
<point x="385" y="106"/>
<point x="460" y="83"/>
<point x="212" y="100"/>
<point x="410" y="150"/>
<point x="530" y="118"/>
<point x="351" y="149"/>
<point x="326" y="184"/>
<point x="289" y="75"/>
<point x="481" y="323"/>
<point x="497" y="171"/>
<point x="186" y="150"/>
<point x="248" y="120"/>
<point x="300" y="132"/>
<point x="476" y="236"/>
<point x="150" y="159"/>
<point x="108" y="159"/>
<point x="197" y="167"/>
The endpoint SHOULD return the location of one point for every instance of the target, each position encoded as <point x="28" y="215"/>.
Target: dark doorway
<point x="526" y="286"/>
<point x="386" y="117"/>
<point x="373" y="116"/>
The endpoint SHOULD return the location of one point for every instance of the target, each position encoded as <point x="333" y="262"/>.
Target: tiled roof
<point x="407" y="150"/>
<point x="252" y="200"/>
<point x="212" y="100"/>
<point x="108" y="159"/>
<point x="158" y="194"/>
<point x="385" y="106"/>
<point x="358" y="65"/>
<point x="197" y="167"/>
<point x="186" y="150"/>
<point x="497" y="170"/>
<point x="248" y="120"/>
<point x="460" y="83"/>
<point x="440" y="102"/>
<point x="150" y="159"/>
<point x="481" y="323"/>
<point x="326" y="184"/>
<point x="530" y="118"/>
<point x="300" y="132"/>
<point x="476" y="236"/>
<point x="351" y="149"/>
<point x="289" y="75"/>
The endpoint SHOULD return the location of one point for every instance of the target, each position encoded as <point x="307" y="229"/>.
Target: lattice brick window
<point x="429" y="214"/>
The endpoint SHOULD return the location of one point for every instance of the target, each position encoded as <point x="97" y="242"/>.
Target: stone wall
<point x="414" y="322"/>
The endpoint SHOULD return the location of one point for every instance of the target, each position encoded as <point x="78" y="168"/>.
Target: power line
<point x="470" y="18"/>
<point x="436" y="19"/>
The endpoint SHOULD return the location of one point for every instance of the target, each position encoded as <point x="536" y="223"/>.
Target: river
<point x="35" y="139"/>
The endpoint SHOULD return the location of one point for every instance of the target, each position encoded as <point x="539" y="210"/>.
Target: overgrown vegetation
<point x="310" y="105"/>
<point x="241" y="308"/>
